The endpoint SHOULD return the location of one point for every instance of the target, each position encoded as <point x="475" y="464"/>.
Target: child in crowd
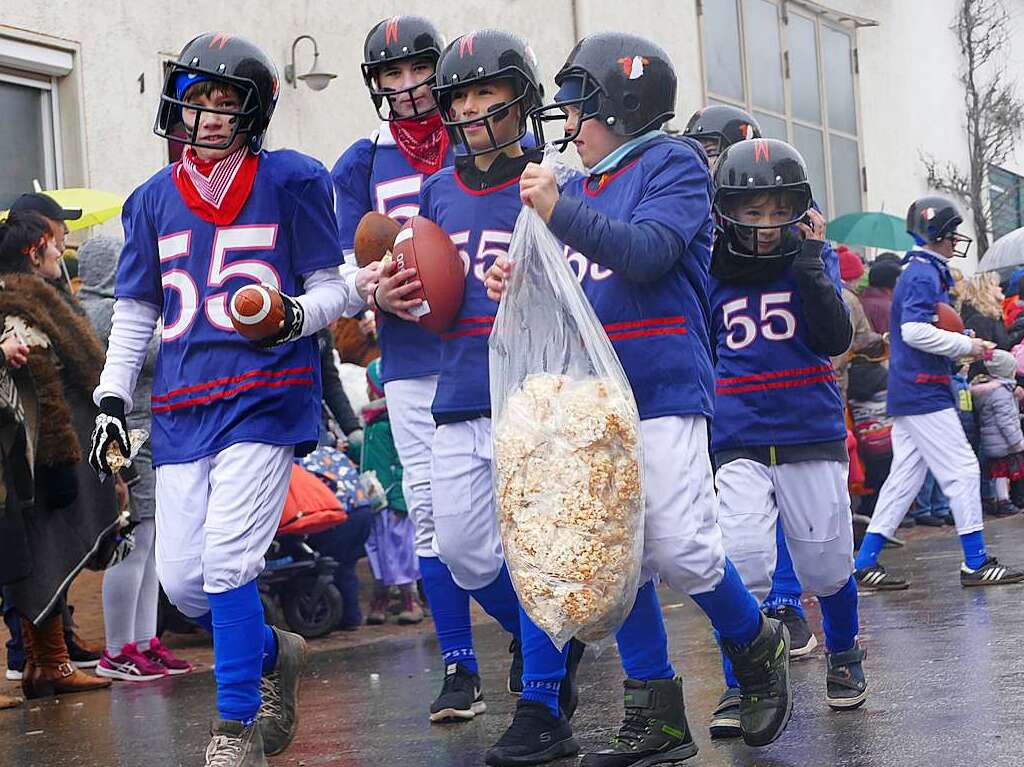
<point x="1002" y="441"/>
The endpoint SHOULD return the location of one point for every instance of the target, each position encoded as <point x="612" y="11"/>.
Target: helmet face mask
<point x="243" y="120"/>
<point x="935" y="218"/>
<point x="777" y="211"/>
<point x="587" y="105"/>
<point x="395" y="96"/>
<point x="389" y="42"/>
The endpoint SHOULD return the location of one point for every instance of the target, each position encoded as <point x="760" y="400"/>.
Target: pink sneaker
<point x="129" y="666"/>
<point x="167" y="660"/>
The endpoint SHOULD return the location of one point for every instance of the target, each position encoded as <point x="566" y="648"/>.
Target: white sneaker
<point x="13" y="675"/>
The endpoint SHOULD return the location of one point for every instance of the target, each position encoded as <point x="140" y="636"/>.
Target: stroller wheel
<point x="312" y="617"/>
<point x="272" y="613"/>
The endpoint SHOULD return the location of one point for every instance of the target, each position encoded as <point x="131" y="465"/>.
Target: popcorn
<point x="116" y="460"/>
<point x="570" y="501"/>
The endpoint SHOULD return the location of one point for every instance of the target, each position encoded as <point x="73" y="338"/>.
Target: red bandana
<point x="215" y="190"/>
<point x="423" y="142"/>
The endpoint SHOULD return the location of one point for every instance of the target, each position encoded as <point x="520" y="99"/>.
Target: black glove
<point x="294" y="317"/>
<point x="111" y="428"/>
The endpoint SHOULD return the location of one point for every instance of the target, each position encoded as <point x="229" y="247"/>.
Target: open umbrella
<point x="876" y="230"/>
<point x="96" y="206"/>
<point x="1005" y="253"/>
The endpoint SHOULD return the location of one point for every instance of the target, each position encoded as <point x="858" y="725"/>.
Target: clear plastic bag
<point x="568" y="462"/>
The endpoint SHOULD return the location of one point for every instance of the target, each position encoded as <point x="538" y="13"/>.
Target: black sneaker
<point x="1004" y="508"/>
<point x="81" y="657"/>
<point x="535" y="736"/>
<point x="515" y="671"/>
<point x="991" y="573"/>
<point x="569" y="691"/>
<point x="762" y="669"/>
<point x="928" y="520"/>
<point x="461" y="696"/>
<point x="876" y="577"/>
<point x="801" y="639"/>
<point x="654" y="730"/>
<point x="278" y="716"/>
<point x="725" y="721"/>
<point x="845" y="685"/>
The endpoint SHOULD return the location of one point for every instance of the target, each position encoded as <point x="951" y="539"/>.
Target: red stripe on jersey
<point x="207" y="398"/>
<point x="831" y="376"/>
<point x="645" y="333"/>
<point x="482" y="320"/>
<point x="464" y="333"/>
<point x="924" y="378"/>
<point x="644" y="323"/>
<point x="226" y="381"/>
<point x="791" y="373"/>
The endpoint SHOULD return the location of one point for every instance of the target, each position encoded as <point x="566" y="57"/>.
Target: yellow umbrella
<point x="96" y="206"/>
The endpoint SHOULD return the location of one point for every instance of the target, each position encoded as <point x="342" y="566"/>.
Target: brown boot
<point x="48" y="670"/>
<point x="378" y="614"/>
<point x="412" y="612"/>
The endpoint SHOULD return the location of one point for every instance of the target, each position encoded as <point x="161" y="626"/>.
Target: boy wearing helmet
<point x="385" y="173"/>
<point x="638" y="230"/>
<point x="778" y="434"/>
<point x="228" y="415"/>
<point x="717" y="127"/>
<point x="487" y="82"/>
<point x="926" y="432"/>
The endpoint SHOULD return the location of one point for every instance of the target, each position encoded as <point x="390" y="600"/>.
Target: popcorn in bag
<point x="568" y="462"/>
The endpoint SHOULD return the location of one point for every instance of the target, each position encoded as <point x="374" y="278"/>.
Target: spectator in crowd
<point x="355" y="339"/>
<point x="1002" y="441"/>
<point x="1013" y="308"/>
<point x="982" y="309"/>
<point x="336" y="402"/>
<point x="877" y="296"/>
<point x="64" y="360"/>
<point x="391" y="546"/>
<point x="130" y="588"/>
<point x="865" y="340"/>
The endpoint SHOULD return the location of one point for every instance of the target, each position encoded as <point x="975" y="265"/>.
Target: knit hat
<point x="884" y="273"/>
<point x="1002" y="365"/>
<point x="373" y="378"/>
<point x="851" y="268"/>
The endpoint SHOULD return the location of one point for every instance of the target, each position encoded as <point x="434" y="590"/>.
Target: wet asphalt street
<point x="945" y="670"/>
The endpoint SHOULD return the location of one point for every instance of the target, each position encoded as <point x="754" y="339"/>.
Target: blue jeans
<point x="345" y="544"/>
<point x="931" y="501"/>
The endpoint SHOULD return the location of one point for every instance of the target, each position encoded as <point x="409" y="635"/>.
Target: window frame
<point x="1018" y="205"/>
<point x="784" y="9"/>
<point x="53" y="157"/>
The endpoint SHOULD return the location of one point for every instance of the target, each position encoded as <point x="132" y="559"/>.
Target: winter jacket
<point x="877" y="304"/>
<point x="998" y="416"/>
<point x="865" y="341"/>
<point x="335" y="399"/>
<point x="990" y="328"/>
<point x="381" y="457"/>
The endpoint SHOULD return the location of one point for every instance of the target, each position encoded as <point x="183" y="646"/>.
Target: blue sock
<point x="731" y="607"/>
<point x="870" y="548"/>
<point x="238" y="643"/>
<point x="974" y="549"/>
<point x="839" y="618"/>
<point x="786" y="588"/>
<point x="269" y="649"/>
<point x="499" y="600"/>
<point x="642" y="640"/>
<point x="449" y="605"/>
<point x="543" y="665"/>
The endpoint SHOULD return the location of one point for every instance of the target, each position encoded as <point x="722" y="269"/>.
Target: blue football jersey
<point x="212" y="387"/>
<point x="918" y="382"/>
<point x="660" y="329"/>
<point x="374" y="175"/>
<point x="480" y="224"/>
<point x="771" y="388"/>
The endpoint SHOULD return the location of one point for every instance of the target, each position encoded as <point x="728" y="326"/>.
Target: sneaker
<point x="908" y="522"/>
<point x="378" y="614"/>
<point x="801" y="639"/>
<point x="654" y="729"/>
<point x="82" y="654"/>
<point x="991" y="573"/>
<point x="515" y="670"/>
<point x="1004" y="508"/>
<point x="892" y="542"/>
<point x="948" y="519"/>
<point x="845" y="685"/>
<point x="535" y="736"/>
<point x="766" y="694"/>
<point x="162" y="656"/>
<point x="412" y="612"/>
<point x="15" y="675"/>
<point x="725" y="721"/>
<point x="876" y="577"/>
<point x="568" y="690"/>
<point x="461" y="696"/>
<point x="929" y="520"/>
<point x="278" y="716"/>
<point x="130" y="666"/>
<point x="233" y="744"/>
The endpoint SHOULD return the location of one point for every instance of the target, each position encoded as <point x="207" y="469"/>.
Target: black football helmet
<point x="935" y="218"/>
<point x="229" y="60"/>
<point x="488" y="54"/>
<point x="718" y="126"/>
<point x="623" y="80"/>
<point x="398" y="39"/>
<point x="760" y="168"/>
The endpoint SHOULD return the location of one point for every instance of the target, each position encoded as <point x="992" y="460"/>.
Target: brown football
<point x="257" y="311"/>
<point x="424" y="246"/>
<point x="374" y="237"/>
<point x="946" y="318"/>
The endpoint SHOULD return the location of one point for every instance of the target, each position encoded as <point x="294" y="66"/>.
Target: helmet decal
<point x="466" y="45"/>
<point x="928" y="214"/>
<point x="221" y="37"/>
<point x="391" y="30"/>
<point x="633" y="66"/>
<point x="747" y="131"/>
<point x="762" y="152"/>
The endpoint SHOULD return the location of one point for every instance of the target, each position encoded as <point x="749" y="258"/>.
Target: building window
<point x="1005" y="204"/>
<point x="29" y="134"/>
<point x="795" y="72"/>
